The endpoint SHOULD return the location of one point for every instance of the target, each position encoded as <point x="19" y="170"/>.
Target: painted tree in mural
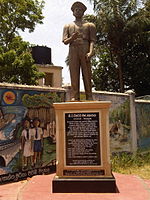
<point x="122" y="114"/>
<point x="40" y="105"/>
<point x="122" y="59"/>
<point x="16" y="63"/>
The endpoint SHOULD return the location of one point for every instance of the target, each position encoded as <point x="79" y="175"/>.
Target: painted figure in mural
<point x="27" y="143"/>
<point x="80" y="36"/>
<point x="51" y="131"/>
<point x="38" y="140"/>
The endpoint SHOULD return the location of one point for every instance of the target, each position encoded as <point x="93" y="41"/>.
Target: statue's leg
<point x="74" y="67"/>
<point x="87" y="75"/>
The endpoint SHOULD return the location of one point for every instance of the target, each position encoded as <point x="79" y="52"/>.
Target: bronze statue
<point x="80" y="36"/>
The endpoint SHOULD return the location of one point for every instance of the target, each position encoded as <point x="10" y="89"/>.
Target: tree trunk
<point x="120" y="68"/>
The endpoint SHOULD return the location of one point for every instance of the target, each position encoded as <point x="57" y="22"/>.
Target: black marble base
<point x="84" y="185"/>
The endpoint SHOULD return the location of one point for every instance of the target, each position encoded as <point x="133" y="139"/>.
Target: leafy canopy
<point x="18" y="15"/>
<point x="122" y="48"/>
<point x="16" y="63"/>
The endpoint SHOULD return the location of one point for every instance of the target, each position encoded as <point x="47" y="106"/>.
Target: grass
<point x="127" y="163"/>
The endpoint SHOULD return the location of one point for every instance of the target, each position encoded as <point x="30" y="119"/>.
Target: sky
<point x="57" y="13"/>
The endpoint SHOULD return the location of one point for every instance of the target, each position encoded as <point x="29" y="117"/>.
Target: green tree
<point x="119" y="23"/>
<point x="105" y="72"/>
<point x="137" y="54"/>
<point x="137" y="62"/>
<point x="18" y="15"/>
<point x="16" y="63"/>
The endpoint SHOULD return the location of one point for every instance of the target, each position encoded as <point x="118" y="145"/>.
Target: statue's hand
<point x="88" y="56"/>
<point x="75" y="36"/>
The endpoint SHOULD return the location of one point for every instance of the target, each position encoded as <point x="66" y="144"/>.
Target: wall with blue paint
<point x="16" y="104"/>
<point x="143" y="123"/>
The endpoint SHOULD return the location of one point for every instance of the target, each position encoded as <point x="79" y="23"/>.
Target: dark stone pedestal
<point x="84" y="185"/>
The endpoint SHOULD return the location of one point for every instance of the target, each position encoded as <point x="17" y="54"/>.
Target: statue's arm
<point x="91" y="50"/>
<point x="92" y="37"/>
<point x="67" y="38"/>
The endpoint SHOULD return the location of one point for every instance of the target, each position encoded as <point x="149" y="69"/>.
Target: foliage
<point x="105" y="72"/>
<point x="137" y="62"/>
<point x="40" y="100"/>
<point x="16" y="63"/>
<point x="123" y="32"/>
<point x="127" y="163"/>
<point x="18" y="15"/>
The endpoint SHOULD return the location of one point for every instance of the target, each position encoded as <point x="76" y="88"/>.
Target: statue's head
<point x="78" y="5"/>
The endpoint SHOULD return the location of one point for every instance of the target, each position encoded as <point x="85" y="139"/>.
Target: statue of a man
<point x="80" y="36"/>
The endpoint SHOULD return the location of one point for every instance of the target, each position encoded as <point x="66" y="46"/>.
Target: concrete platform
<point x="40" y="188"/>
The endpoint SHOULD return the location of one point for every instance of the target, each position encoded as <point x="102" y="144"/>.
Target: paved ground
<point x="40" y="188"/>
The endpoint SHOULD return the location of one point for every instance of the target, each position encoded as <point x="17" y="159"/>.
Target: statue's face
<point x="78" y="12"/>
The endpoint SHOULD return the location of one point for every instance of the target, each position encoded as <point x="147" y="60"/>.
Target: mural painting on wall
<point x="27" y="133"/>
<point x="120" y="128"/>
<point x="143" y="125"/>
<point x="119" y="121"/>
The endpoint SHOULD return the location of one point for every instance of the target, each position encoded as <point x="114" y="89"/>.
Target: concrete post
<point x="133" y="121"/>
